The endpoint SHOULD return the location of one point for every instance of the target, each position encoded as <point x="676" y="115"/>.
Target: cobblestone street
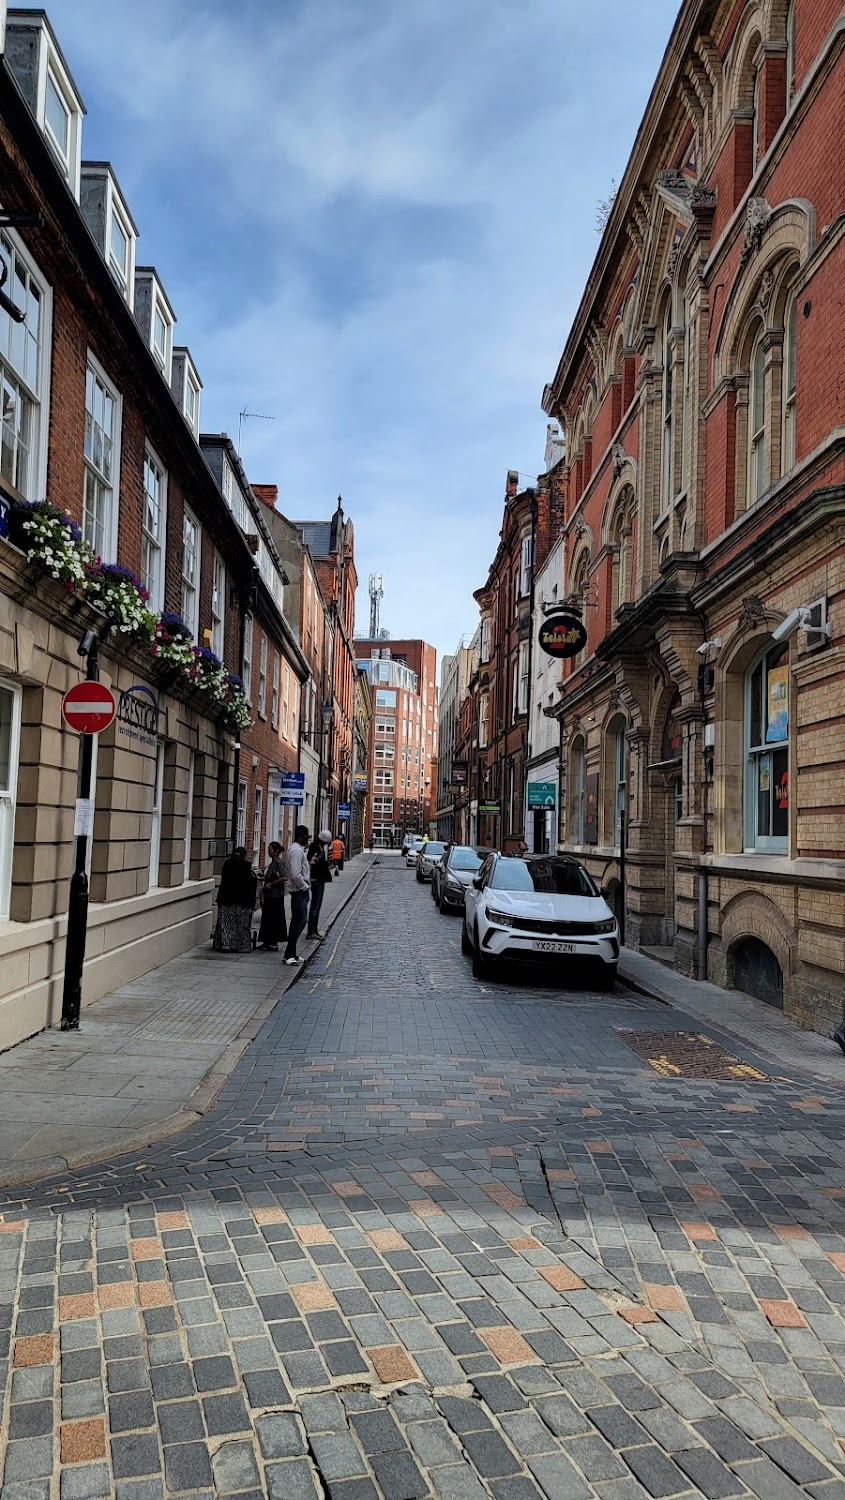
<point x="443" y="1238"/>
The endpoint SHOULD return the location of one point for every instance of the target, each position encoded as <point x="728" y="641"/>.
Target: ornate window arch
<point x="620" y="535"/>
<point x="615" y="776"/>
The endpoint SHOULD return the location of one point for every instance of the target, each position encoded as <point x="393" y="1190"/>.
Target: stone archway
<point x="758" y="947"/>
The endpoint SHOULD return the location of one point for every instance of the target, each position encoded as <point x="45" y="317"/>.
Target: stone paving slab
<point x="609" y="1283"/>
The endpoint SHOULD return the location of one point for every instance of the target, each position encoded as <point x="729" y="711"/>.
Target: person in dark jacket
<point x="235" y="904"/>
<point x="321" y="874"/>
<point x="274" y="928"/>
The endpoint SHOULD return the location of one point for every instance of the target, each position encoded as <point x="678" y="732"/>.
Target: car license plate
<point x="541" y="946"/>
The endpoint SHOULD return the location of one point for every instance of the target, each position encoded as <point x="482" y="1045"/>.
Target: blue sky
<point x="374" y="219"/>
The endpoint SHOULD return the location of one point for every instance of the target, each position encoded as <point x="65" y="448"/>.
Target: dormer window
<point x="186" y="386"/>
<point x="57" y="120"/>
<point x="110" y="222"/>
<point x="34" y="57"/>
<point x="160" y="339"/>
<point x="155" y="318"/>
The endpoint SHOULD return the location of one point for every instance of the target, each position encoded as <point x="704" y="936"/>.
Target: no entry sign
<point x="89" y="707"/>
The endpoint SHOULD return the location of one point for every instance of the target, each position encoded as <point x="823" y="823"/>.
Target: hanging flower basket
<point x="123" y="599"/>
<point x="54" y="541"/>
<point x="236" y="710"/>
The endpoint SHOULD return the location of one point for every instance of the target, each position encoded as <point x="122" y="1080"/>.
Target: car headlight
<point x="453" y="885"/>
<point x="502" y="918"/>
<point x="608" y="926"/>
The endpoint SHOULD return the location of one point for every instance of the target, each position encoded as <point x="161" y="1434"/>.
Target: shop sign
<point x="542" y="794"/>
<point x="5" y="512"/>
<point x="360" y="784"/>
<point x="490" y="809"/>
<point x="344" y="812"/>
<point x="138" y="713"/>
<point x="460" y="773"/>
<point x="562" y="635"/>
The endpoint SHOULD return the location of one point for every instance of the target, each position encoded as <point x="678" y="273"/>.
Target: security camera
<point x="84" y="647"/>
<point x="792" y="623"/>
<point x="707" y="646"/>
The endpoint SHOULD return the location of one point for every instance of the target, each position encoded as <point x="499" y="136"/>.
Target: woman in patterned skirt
<point x="235" y="904"/>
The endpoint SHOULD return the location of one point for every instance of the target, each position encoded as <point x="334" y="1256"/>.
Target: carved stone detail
<point x="752" y="612"/>
<point x="764" y="295"/>
<point x="757" y="216"/>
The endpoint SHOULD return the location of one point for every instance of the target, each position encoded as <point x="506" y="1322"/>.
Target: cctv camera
<point x="707" y="646"/>
<point x="85" y="645"/>
<point x="788" y="626"/>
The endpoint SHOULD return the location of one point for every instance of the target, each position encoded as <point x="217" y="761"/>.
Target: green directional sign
<point x="542" y="794"/>
<point x="490" y="809"/>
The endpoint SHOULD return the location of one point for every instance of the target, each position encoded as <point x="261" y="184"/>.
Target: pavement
<point x="440" y="1238"/>
<point x="148" y="1058"/>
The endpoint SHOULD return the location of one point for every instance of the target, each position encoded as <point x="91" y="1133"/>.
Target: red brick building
<point x="702" y="398"/>
<point x="403" y="743"/>
<point x="331" y="547"/>
<point x="532" y="518"/>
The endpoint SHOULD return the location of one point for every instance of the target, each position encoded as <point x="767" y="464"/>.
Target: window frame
<point x="286" y="701"/>
<point x="274" y="692"/>
<point x="246" y="659"/>
<point x="154" y="585"/>
<point x="753" y="841"/>
<point x="620" y="762"/>
<point x="240" y="816"/>
<point x="189" y="519"/>
<point x="262" y="677"/>
<point x="117" y="215"/>
<point x="757" y="433"/>
<point x="790" y="51"/>
<point x="8" y="799"/>
<point x="578" y="765"/>
<point x="164" y="356"/>
<point x="37" y="394"/>
<point x="789" y="368"/>
<point x="257" y="819"/>
<point x="667" y="465"/>
<point x="525" y="567"/>
<point x="64" y="155"/>
<point x="218" y="606"/>
<point x="110" y="532"/>
<point x="153" y="881"/>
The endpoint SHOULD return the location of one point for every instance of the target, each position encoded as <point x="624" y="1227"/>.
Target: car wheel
<point x="480" y="966"/>
<point x="442" y="907"/>
<point x="420" y="879"/>
<point x="607" y="977"/>
<point x="466" y="945"/>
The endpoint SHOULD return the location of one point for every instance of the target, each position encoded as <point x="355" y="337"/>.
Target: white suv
<point x="540" y="909"/>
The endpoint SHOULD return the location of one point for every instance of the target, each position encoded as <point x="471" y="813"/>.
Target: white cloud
<point x="374" y="218"/>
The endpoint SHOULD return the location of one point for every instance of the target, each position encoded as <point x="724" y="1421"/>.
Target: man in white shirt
<point x="299" y="885"/>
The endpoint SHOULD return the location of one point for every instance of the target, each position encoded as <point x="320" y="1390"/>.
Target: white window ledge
<point x="776" y="864"/>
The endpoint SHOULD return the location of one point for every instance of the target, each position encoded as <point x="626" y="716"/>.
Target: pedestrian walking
<point x="321" y="875"/>
<point x="235" y="904"/>
<point x="337" y="853"/>
<point x="274" y="928"/>
<point x="371" y="841"/>
<point x="299" y="881"/>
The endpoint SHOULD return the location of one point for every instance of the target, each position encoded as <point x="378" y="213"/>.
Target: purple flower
<point x="118" y="573"/>
<point x="234" y="682"/>
<point x="207" y="658"/>
<point x="173" y="624"/>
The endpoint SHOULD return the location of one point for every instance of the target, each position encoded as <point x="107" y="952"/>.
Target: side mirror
<point x="477" y="882"/>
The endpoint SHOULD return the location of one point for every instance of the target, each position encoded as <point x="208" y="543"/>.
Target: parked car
<point x="412" y="850"/>
<point x="428" y="857"/>
<point x="453" y="874"/>
<point x="540" y="908"/>
<point x="408" y="840"/>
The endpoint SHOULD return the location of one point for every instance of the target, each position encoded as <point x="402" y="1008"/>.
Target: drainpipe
<point x="701" y="968"/>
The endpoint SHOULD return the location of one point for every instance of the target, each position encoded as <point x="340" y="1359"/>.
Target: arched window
<point x="666" y="465"/>
<point x="578" y="791"/>
<point x="767" y="750"/>
<point x="580" y="587"/>
<point x="757" y="420"/>
<point x="790" y="53"/>
<point x="670" y="744"/>
<point x="621" y="536"/>
<point x="790" y="341"/>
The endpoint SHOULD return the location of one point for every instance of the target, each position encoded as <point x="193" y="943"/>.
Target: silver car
<point x="428" y="857"/>
<point x="412" y="849"/>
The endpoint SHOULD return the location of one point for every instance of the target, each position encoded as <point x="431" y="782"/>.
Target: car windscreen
<point x="464" y="859"/>
<point x="432" y="847"/>
<point x="552" y="877"/>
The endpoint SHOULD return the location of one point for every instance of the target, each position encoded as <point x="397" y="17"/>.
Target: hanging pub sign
<point x="562" y="635"/>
